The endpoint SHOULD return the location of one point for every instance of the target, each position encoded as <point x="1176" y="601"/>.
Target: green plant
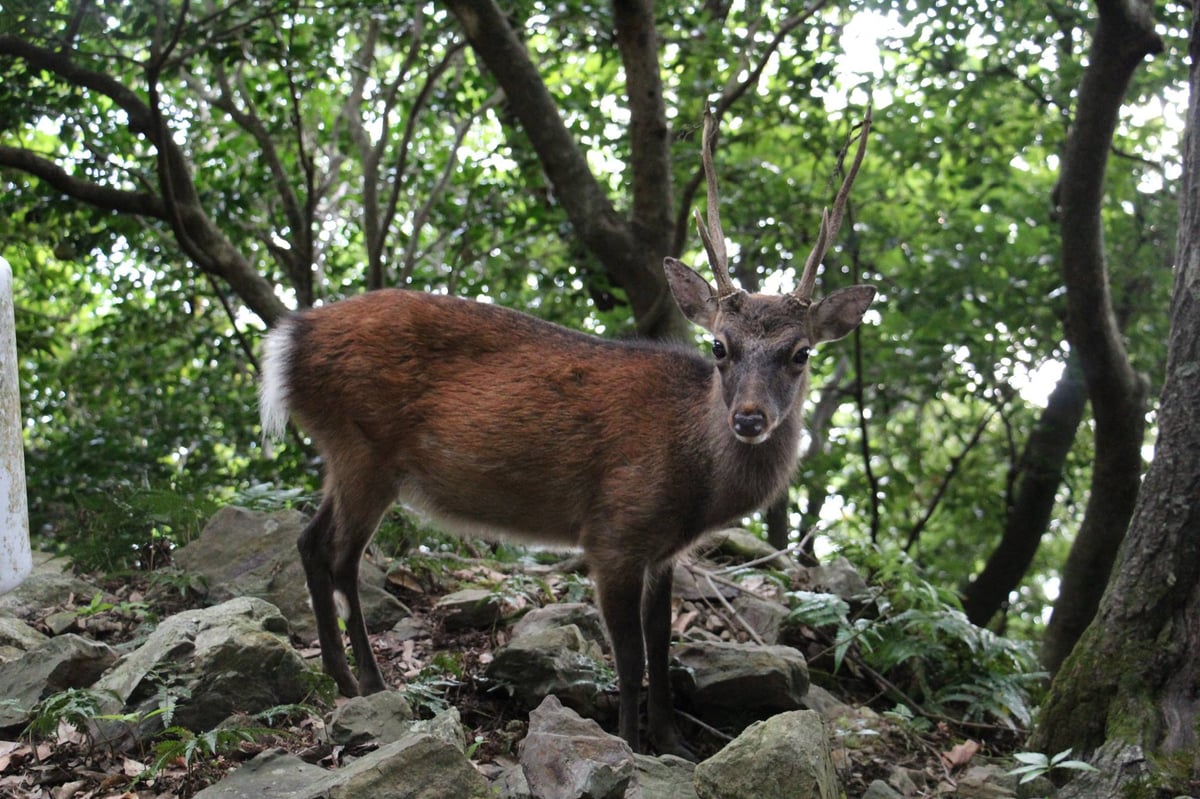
<point x="77" y="708"/>
<point x="181" y="744"/>
<point x="178" y="581"/>
<point x="1036" y="764"/>
<point x="932" y="658"/>
<point x="98" y="605"/>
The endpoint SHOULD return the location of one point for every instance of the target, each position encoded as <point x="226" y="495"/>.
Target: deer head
<point x="761" y="343"/>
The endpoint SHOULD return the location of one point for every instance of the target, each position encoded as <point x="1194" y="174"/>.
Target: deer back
<point x="495" y="422"/>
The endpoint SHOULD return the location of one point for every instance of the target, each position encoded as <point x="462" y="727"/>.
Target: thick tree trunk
<point x="1028" y="517"/>
<point x="1133" y="676"/>
<point x="1124" y="36"/>
<point x="631" y="251"/>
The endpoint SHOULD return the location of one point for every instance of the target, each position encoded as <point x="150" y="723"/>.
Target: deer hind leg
<point x="656" y="625"/>
<point x="331" y="548"/>
<point x="316" y="545"/>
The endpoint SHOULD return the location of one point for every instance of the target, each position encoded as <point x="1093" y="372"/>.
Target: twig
<point x="707" y="728"/>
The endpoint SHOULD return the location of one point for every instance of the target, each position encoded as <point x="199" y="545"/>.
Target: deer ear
<point x="839" y="313"/>
<point x="692" y="292"/>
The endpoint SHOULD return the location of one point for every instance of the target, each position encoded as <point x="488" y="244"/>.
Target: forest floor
<point x="925" y="758"/>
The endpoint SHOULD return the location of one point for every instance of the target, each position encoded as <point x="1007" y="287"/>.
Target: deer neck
<point x="746" y="477"/>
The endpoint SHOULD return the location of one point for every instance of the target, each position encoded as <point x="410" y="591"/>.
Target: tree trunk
<point x="1133" y="677"/>
<point x="1041" y="471"/>
<point x="1124" y="36"/>
<point x="632" y="250"/>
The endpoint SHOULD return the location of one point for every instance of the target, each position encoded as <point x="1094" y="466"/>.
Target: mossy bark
<point x="1134" y="676"/>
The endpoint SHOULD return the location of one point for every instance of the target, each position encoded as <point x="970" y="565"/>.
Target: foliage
<point x="75" y="707"/>
<point x="179" y="744"/>
<point x="82" y="708"/>
<point x="137" y="368"/>
<point x="934" y="661"/>
<point x="1037" y="764"/>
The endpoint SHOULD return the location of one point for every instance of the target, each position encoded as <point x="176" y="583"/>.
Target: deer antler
<point x="831" y="221"/>
<point x="713" y="238"/>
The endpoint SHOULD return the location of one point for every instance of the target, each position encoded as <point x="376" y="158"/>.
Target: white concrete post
<point x="15" y="557"/>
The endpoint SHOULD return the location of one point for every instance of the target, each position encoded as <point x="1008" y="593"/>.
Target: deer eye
<point x="800" y="356"/>
<point x="718" y="349"/>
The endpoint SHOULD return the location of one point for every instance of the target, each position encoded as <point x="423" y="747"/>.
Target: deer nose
<point x="749" y="424"/>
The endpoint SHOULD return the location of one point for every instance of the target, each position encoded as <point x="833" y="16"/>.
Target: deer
<point x="495" y="424"/>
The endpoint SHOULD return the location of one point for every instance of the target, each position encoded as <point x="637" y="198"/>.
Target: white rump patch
<point x="273" y="389"/>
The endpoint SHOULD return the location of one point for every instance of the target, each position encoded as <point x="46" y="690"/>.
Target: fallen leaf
<point x="961" y="754"/>
<point x="68" y="789"/>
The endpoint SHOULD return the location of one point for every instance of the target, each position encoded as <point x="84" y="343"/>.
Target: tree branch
<point x="1123" y="37"/>
<point x="592" y="214"/>
<point x="733" y="91"/>
<point x="142" y="203"/>
<point x="649" y="137"/>
<point x="951" y="471"/>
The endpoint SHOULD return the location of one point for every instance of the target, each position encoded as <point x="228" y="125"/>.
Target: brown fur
<point x="495" y="423"/>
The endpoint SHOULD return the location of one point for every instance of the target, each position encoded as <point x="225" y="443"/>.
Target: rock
<point x="558" y="661"/>
<point x="567" y="757"/>
<point x="17" y="637"/>
<point x="415" y="767"/>
<point x="445" y="726"/>
<point x="473" y="608"/>
<point x="382" y="717"/>
<point x="841" y="578"/>
<point x="233" y="657"/>
<point x="409" y="628"/>
<point x="511" y="784"/>
<point x="48" y="585"/>
<point x="581" y="614"/>
<point x="881" y="790"/>
<point x="57" y="664"/>
<point x="385" y="717"/>
<point x="249" y="553"/>
<point x="785" y="757"/>
<point x="741" y="546"/>
<point x="664" y="777"/>
<point x="273" y="773"/>
<point x="762" y="615"/>
<point x="727" y="681"/>
<point x="986" y="782"/>
<point x="60" y="621"/>
<point x="830" y="707"/>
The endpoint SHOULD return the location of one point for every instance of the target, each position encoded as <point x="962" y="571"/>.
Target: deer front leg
<point x="619" y="584"/>
<point x="656" y="625"/>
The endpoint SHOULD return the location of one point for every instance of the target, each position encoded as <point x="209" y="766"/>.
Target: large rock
<point x="385" y="717"/>
<point x="249" y="553"/>
<point x="841" y="578"/>
<point x="558" y="661"/>
<point x="49" y="585"/>
<point x="415" y="767"/>
<point x="665" y="777"/>
<point x="67" y="661"/>
<point x="581" y="614"/>
<point x="382" y="716"/>
<point x="761" y="615"/>
<point x="742" y="546"/>
<point x="17" y="638"/>
<point x="785" y="757"/>
<point x="740" y="682"/>
<point x="234" y="657"/>
<point x="567" y="757"/>
<point x="474" y="609"/>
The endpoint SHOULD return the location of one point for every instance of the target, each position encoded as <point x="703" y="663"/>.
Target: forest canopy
<point x="176" y="177"/>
